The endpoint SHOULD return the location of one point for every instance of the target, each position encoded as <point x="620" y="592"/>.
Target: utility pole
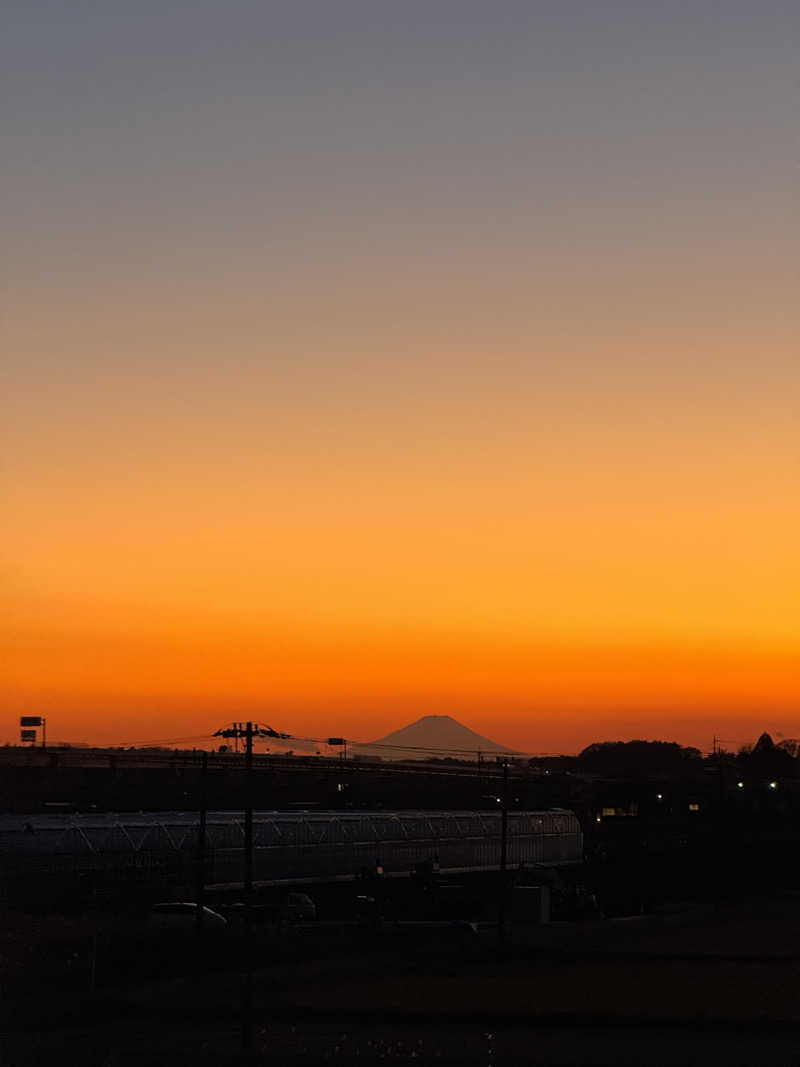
<point x="339" y="742"/>
<point x="249" y="731"/>
<point x="501" y="909"/>
<point x="247" y="990"/>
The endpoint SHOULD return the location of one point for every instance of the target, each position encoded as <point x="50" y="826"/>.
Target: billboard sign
<point x="27" y="735"/>
<point x="30" y="720"/>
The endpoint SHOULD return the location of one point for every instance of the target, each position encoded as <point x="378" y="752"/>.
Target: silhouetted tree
<point x="767" y="760"/>
<point x="636" y="759"/>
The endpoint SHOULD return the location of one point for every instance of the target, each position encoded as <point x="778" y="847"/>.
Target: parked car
<point x="293" y="907"/>
<point x="182" y="915"/>
<point x="298" y="907"/>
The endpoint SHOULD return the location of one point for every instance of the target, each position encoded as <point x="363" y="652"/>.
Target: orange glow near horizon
<point x="353" y="581"/>
<point x="499" y="657"/>
<point x="348" y="581"/>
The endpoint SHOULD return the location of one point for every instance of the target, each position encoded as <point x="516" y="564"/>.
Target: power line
<point x="323" y="742"/>
<point x="159" y="741"/>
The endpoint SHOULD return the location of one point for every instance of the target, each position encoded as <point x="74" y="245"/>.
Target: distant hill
<point x="440" y="732"/>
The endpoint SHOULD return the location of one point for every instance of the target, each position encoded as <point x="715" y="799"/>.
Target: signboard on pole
<point x="30" y="720"/>
<point x="28" y="735"/>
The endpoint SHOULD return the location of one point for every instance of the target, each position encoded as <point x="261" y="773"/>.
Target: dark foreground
<point x="688" y="989"/>
<point x="485" y="1043"/>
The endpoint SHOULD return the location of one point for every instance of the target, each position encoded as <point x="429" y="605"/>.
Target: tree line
<point x="765" y="759"/>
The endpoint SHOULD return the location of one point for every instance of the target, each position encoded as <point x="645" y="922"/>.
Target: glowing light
<point x="740" y="785"/>
<point x="773" y="785"/>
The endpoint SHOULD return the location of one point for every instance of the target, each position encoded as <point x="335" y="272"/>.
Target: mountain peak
<point x="433" y="735"/>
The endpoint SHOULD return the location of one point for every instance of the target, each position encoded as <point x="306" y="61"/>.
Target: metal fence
<point x="287" y="845"/>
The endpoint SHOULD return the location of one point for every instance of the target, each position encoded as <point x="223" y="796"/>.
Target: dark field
<point x="674" y="990"/>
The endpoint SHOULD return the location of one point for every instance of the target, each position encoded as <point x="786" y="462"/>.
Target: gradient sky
<point x="367" y="359"/>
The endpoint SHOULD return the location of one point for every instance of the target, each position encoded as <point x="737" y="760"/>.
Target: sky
<point x="365" y="360"/>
